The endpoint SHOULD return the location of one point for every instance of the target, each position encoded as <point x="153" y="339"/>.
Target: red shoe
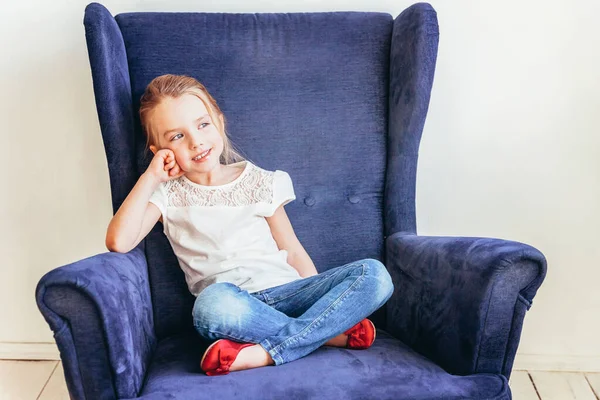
<point x="361" y="335"/>
<point x="219" y="356"/>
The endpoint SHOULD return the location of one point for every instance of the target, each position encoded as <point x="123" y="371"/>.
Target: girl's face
<point x="184" y="126"/>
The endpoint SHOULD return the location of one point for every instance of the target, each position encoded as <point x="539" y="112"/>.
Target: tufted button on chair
<point x="309" y="201"/>
<point x="354" y="199"/>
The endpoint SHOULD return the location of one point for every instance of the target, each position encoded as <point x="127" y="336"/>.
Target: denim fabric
<point x="294" y="319"/>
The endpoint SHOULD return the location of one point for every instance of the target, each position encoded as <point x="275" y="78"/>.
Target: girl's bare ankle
<point x="252" y="357"/>
<point x="338" y="341"/>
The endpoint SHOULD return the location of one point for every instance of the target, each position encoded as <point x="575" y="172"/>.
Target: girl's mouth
<point x="202" y="156"/>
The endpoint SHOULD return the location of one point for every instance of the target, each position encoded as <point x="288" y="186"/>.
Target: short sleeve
<point x="283" y="191"/>
<point x="159" y="199"/>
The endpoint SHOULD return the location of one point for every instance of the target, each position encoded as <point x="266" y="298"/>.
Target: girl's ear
<point x="153" y="149"/>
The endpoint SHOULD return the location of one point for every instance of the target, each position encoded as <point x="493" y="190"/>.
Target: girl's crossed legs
<point x="292" y="320"/>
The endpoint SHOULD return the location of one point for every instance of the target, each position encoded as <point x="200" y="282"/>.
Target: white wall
<point x="510" y="150"/>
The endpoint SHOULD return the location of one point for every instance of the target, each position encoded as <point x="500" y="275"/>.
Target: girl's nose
<point x="195" y="141"/>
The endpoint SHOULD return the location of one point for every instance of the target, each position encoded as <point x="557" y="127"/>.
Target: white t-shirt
<point x="220" y="234"/>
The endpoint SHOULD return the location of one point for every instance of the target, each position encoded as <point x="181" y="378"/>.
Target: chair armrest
<point x="101" y="313"/>
<point x="461" y="301"/>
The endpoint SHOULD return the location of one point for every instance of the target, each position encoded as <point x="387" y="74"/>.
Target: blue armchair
<point x="337" y="99"/>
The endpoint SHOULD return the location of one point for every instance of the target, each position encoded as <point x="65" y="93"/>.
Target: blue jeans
<point x="292" y="320"/>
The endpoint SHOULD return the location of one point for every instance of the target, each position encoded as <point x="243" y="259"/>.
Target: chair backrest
<point x="306" y="93"/>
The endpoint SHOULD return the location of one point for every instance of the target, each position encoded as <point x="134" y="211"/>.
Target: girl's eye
<point x="179" y="134"/>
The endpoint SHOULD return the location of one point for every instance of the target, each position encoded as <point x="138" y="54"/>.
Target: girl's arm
<point x="136" y="216"/>
<point x="286" y="239"/>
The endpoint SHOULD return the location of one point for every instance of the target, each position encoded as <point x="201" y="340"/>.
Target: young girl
<point x="257" y="290"/>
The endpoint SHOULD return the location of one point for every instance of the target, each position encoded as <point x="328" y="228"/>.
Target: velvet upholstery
<point x="460" y="301"/>
<point x="387" y="370"/>
<point x="338" y="100"/>
<point x="101" y="313"/>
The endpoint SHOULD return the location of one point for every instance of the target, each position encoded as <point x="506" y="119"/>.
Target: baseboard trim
<point x="527" y="362"/>
<point x="29" y="351"/>
<point x="539" y="362"/>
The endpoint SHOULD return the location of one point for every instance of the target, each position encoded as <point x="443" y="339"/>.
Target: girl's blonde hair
<point x="176" y="86"/>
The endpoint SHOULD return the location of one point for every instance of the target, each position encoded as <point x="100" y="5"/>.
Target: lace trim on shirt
<point x="255" y="186"/>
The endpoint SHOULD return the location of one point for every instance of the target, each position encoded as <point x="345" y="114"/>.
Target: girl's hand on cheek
<point x="164" y="167"/>
<point x="173" y="169"/>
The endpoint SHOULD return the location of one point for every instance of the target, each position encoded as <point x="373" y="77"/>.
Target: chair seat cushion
<point x="387" y="370"/>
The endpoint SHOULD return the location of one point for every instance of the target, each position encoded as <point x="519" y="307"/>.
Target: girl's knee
<point x="385" y="286"/>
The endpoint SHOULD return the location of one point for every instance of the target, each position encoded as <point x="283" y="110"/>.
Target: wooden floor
<point x="44" y="380"/>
